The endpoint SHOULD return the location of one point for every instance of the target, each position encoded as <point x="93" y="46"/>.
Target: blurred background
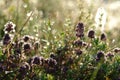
<point x="59" y="12"/>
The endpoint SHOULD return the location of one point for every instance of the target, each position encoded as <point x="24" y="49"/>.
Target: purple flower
<point x="38" y="60"/>
<point x="80" y="30"/>
<point x="26" y="38"/>
<point x="27" y="47"/>
<point x="9" y="27"/>
<point x="103" y="37"/>
<point x="6" y="39"/>
<point x="91" y="34"/>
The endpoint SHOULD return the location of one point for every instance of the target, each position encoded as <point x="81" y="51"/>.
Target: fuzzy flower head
<point x="80" y="30"/>
<point x="27" y="47"/>
<point x="9" y="27"/>
<point x="26" y="38"/>
<point x="100" y="19"/>
<point x="38" y="60"/>
<point x="7" y="38"/>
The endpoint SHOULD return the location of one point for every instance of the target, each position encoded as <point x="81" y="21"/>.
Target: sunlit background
<point x="59" y="11"/>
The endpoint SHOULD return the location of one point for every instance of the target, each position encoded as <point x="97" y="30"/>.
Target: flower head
<point x="78" y="43"/>
<point x="103" y="37"/>
<point x="6" y="39"/>
<point x="80" y="30"/>
<point x="26" y="38"/>
<point x="24" y="68"/>
<point x="116" y="50"/>
<point x="100" y="55"/>
<point x="9" y="27"/>
<point x="91" y="34"/>
<point x="27" y="47"/>
<point x="38" y="60"/>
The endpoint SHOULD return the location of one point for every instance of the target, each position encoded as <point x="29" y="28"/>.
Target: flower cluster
<point x="21" y="56"/>
<point x="80" y="30"/>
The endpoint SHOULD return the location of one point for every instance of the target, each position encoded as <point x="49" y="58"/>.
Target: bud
<point x="103" y="37"/>
<point x="91" y="34"/>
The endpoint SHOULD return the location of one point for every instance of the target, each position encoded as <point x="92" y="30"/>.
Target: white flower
<point x="100" y="18"/>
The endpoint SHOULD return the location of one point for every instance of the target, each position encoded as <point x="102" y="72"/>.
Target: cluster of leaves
<point x="85" y="57"/>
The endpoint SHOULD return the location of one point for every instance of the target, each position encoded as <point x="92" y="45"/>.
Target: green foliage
<point x="51" y="42"/>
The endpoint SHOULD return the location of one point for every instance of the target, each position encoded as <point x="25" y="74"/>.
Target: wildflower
<point x="100" y="19"/>
<point x="103" y="37"/>
<point x="26" y="38"/>
<point x="6" y="39"/>
<point x="52" y="56"/>
<point x="9" y="27"/>
<point x="27" y="47"/>
<point x="116" y="50"/>
<point x="78" y="43"/>
<point x="100" y="55"/>
<point x="51" y="62"/>
<point x="24" y="68"/>
<point x="110" y="55"/>
<point x="38" y="60"/>
<point x="91" y="34"/>
<point x="84" y="44"/>
<point x="17" y="51"/>
<point x="80" y="30"/>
